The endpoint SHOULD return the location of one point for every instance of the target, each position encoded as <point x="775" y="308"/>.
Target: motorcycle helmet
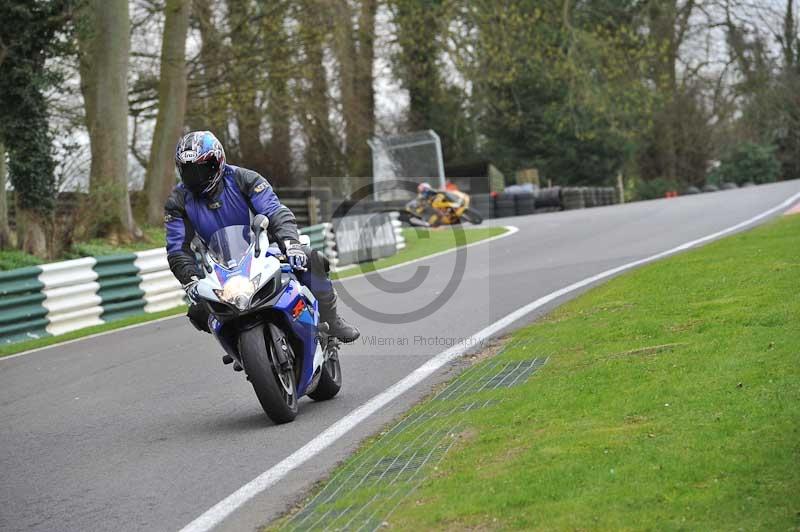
<point x="425" y="190"/>
<point x="200" y="161"/>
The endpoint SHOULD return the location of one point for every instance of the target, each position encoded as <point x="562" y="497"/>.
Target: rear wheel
<point x="330" y="380"/>
<point x="275" y="388"/>
<point x="472" y="216"/>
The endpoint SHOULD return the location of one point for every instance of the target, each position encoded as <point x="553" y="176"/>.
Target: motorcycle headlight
<point x="238" y="290"/>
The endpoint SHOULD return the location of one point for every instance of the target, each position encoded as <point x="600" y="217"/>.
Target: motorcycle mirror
<point x="199" y="247"/>
<point x="260" y="224"/>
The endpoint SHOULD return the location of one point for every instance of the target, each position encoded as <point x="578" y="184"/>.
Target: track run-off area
<point x="145" y="429"/>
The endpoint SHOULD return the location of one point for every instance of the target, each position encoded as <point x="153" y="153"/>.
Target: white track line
<point x="510" y="230"/>
<point x="216" y="514"/>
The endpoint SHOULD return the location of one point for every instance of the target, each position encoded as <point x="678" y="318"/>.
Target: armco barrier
<point x="70" y="290"/>
<point x="400" y="240"/>
<point x="60" y="297"/>
<point x="161" y="290"/>
<point x="22" y="315"/>
<point x="323" y="240"/>
<point x="120" y="291"/>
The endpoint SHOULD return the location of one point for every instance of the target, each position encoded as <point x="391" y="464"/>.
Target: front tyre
<point x="274" y="388"/>
<point x="330" y="380"/>
<point x="472" y="216"/>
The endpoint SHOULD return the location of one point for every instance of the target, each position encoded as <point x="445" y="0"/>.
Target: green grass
<point x="671" y="400"/>
<point x="11" y="259"/>
<point x="154" y="237"/>
<point x="423" y="242"/>
<point x="27" y="345"/>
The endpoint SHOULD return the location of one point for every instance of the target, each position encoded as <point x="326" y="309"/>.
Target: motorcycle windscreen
<point x="229" y="245"/>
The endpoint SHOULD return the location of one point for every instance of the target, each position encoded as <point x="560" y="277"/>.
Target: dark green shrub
<point x="654" y="188"/>
<point x="747" y="162"/>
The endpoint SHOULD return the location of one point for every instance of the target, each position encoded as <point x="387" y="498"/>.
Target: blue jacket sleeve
<point x="263" y="200"/>
<point x="180" y="233"/>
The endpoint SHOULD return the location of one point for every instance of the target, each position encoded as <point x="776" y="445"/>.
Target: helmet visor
<point x="197" y="176"/>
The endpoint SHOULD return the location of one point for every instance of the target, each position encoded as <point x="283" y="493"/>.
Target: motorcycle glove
<point x="296" y="256"/>
<point x="191" y="290"/>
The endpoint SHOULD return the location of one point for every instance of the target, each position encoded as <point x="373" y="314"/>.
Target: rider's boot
<point x="338" y="327"/>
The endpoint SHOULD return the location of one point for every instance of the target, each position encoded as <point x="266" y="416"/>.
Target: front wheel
<point x="275" y="388"/>
<point x="330" y="380"/>
<point x="472" y="216"/>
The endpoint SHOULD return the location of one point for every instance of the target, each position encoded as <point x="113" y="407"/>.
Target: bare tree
<point x="323" y="153"/>
<point x="246" y="79"/>
<point x="208" y="108"/>
<point x="355" y="55"/>
<point x="171" y="108"/>
<point x="104" y="52"/>
<point x="279" y="108"/>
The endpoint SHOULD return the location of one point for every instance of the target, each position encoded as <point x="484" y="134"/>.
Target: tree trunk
<point x="104" y="42"/>
<point x="355" y="55"/>
<point x="246" y="83"/>
<point x="210" y="111"/>
<point x="418" y="27"/>
<point x="5" y="230"/>
<point x="279" y="105"/>
<point x="32" y="235"/>
<point x="323" y="155"/>
<point x="365" y="90"/>
<point x="171" y="109"/>
<point x="346" y="55"/>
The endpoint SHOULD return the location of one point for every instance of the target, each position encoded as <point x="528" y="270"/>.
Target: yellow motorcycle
<point x="444" y="208"/>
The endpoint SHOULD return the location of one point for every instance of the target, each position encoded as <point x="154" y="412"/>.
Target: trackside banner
<point x="364" y="237"/>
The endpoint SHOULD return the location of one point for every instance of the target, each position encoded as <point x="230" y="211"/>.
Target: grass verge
<point x="423" y="242"/>
<point x="671" y="400"/>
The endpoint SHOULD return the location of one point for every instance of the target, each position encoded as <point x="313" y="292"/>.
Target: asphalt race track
<point x="145" y="429"/>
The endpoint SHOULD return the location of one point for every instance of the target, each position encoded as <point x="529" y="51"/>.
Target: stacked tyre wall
<point x="544" y="200"/>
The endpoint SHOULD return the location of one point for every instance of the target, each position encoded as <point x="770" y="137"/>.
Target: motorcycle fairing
<point x="304" y="328"/>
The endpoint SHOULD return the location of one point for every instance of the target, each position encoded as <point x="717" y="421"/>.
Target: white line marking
<point x="216" y="514"/>
<point x="510" y="231"/>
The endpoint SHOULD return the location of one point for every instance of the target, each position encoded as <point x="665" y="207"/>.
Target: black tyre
<point x="505" y="206"/>
<point x="472" y="216"/>
<point x="484" y="204"/>
<point x="524" y="204"/>
<point x="330" y="380"/>
<point x="274" y="388"/>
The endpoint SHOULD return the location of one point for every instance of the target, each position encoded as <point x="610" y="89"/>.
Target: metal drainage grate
<point x="493" y="375"/>
<point x="365" y="491"/>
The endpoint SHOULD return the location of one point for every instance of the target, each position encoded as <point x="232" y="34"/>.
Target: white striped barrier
<point x="71" y="299"/>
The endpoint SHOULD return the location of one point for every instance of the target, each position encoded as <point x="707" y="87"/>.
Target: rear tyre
<point x="330" y="380"/>
<point x="274" y="388"/>
<point x="472" y="216"/>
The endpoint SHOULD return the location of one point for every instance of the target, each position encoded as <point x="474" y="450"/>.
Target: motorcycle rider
<point x="433" y="199"/>
<point x="213" y="194"/>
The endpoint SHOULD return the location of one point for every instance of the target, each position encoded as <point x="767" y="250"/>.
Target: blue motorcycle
<point x="266" y="320"/>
